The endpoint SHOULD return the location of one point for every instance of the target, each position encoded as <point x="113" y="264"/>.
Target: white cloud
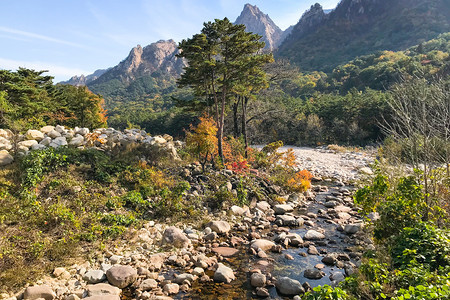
<point x="59" y="72"/>
<point x="38" y="36"/>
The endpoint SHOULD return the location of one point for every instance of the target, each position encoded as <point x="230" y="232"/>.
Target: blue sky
<point x="74" y="37"/>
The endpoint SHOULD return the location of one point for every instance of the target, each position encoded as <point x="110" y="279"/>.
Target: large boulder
<point x="221" y="227"/>
<point x="58" y="142"/>
<point x="353" y="228"/>
<point x="175" y="237"/>
<point x="223" y="274"/>
<point x="34" y="135"/>
<point x="38" y="292"/>
<point x="121" y="276"/>
<point x="288" y="286"/>
<point x="5" y="158"/>
<point x="313" y="273"/>
<point x="281" y="209"/>
<point x="76" y="141"/>
<point x="47" y="129"/>
<point x="27" y="143"/>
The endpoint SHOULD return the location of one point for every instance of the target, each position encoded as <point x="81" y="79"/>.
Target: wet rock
<point x="314" y="235"/>
<point x="287" y="220"/>
<point x="262" y="292"/>
<point x="329" y="260"/>
<point x="281" y="209"/>
<point x="337" y="277"/>
<point x="175" y="237"/>
<point x="294" y="239"/>
<point x="262" y="244"/>
<point x="224" y="274"/>
<point x="313" y="274"/>
<point x="330" y="204"/>
<point x="198" y="271"/>
<point x="313" y="250"/>
<point x="39" y="292"/>
<point x="352" y="228"/>
<point x="288" y="286"/>
<point x="258" y="280"/>
<point x="185" y="276"/>
<point x="94" y="276"/>
<point x="121" y="276"/>
<point x="225" y="251"/>
<point x="221" y="227"/>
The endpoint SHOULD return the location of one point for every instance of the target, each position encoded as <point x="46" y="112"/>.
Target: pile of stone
<point x="102" y="138"/>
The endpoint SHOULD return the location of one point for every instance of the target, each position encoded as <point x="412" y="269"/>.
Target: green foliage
<point x="326" y="292"/>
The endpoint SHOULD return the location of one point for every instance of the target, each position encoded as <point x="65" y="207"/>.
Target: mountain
<point x="84" y="80"/>
<point x="321" y="41"/>
<point x="257" y="22"/>
<point x="153" y="60"/>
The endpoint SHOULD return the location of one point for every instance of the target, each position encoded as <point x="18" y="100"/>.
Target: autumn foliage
<point x="300" y="182"/>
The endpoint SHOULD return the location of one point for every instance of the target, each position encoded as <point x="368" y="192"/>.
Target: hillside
<point x="322" y="41"/>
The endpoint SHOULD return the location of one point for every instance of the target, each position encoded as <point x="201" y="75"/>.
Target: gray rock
<point x="258" y="280"/>
<point x="175" y="237"/>
<point x="53" y="134"/>
<point x="263" y="206"/>
<point x="329" y="260"/>
<point x="39" y="292"/>
<point x="337" y="277"/>
<point x="313" y="235"/>
<point x="103" y="297"/>
<point x="288" y="286"/>
<point x="185" y="276"/>
<point x="121" y="276"/>
<point x="5" y="158"/>
<point x="58" y="142"/>
<point x="352" y="228"/>
<point x="77" y="141"/>
<point x="94" y="276"/>
<point x="288" y="220"/>
<point x="313" y="274"/>
<point x="223" y="274"/>
<point x="221" y="227"/>
<point x="281" y="209"/>
<point x="295" y="239"/>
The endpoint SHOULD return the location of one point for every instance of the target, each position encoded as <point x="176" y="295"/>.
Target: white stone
<point x="34" y="135"/>
<point x="5" y="158"/>
<point x="27" y="143"/>
<point x="47" y="129"/>
<point x="224" y="274"/>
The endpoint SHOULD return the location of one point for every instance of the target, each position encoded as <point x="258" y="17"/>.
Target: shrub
<point x="300" y="182"/>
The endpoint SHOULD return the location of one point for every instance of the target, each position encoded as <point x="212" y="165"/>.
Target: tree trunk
<point x="244" y="123"/>
<point x="235" y="117"/>
<point x="220" y="127"/>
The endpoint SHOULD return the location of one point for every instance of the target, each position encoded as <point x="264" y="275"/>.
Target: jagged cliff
<point x="84" y="80"/>
<point x="257" y="22"/>
<point x="157" y="58"/>
<point x="321" y="41"/>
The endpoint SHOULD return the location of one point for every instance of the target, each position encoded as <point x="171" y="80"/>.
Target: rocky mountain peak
<point x="310" y="20"/>
<point x="257" y="22"/>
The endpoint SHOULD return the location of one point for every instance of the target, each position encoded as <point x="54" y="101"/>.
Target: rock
<point x="27" y="143"/>
<point x="103" y="297"/>
<point x="148" y="284"/>
<point x="294" y="239"/>
<point x="121" y="276"/>
<point x="175" y="237"/>
<point x="5" y="158"/>
<point x="313" y="274"/>
<point x="221" y="227"/>
<point x="288" y="286"/>
<point x="237" y="210"/>
<point x="223" y="274"/>
<point x="38" y="147"/>
<point x="262" y="292"/>
<point x="58" y="142"/>
<point x="258" y="280"/>
<point x="34" y="135"/>
<point x="47" y="129"/>
<point x="81" y="131"/>
<point x="185" y="276"/>
<point x="53" y="134"/>
<point x="330" y="204"/>
<point x="94" y="276"/>
<point x="313" y="250"/>
<point x="61" y="273"/>
<point x="39" y="292"/>
<point x="366" y="171"/>
<point x="46" y="141"/>
<point x="263" y="206"/>
<point x="352" y="228"/>
<point x="115" y="259"/>
<point x="313" y="235"/>
<point x="77" y="141"/>
<point x="171" y="288"/>
<point x="329" y="260"/>
<point x="225" y="251"/>
<point x="281" y="209"/>
<point x="102" y="289"/>
<point x="198" y="271"/>
<point x="288" y="220"/>
<point x="262" y="244"/>
<point x="337" y="277"/>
